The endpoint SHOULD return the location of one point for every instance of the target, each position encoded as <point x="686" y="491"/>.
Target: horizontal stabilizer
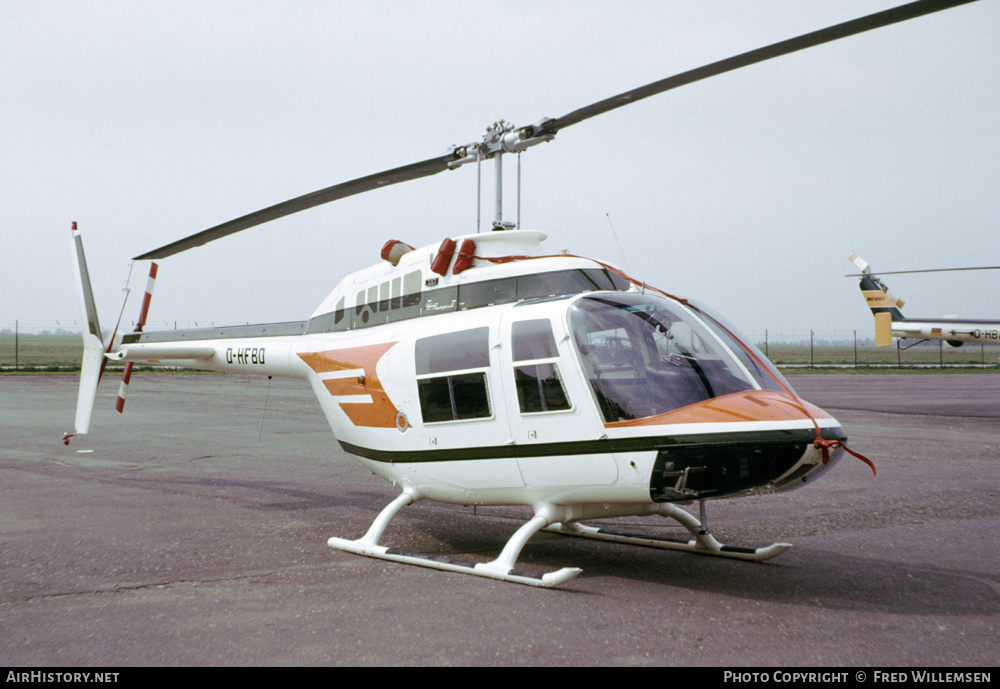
<point x="163" y="351"/>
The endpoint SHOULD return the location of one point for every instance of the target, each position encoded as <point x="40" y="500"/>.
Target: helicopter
<point x="482" y="369"/>
<point x="889" y="320"/>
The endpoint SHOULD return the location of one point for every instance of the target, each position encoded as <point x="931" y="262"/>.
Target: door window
<point x="536" y="373"/>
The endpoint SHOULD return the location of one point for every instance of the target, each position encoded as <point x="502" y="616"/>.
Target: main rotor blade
<point x="433" y="166"/>
<point x="425" y="168"/>
<point x="926" y="270"/>
<point x="809" y="40"/>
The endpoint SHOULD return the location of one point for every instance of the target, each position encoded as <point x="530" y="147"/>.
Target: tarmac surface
<point x="192" y="531"/>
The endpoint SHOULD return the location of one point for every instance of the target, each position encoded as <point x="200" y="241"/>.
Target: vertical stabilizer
<point x="878" y="296"/>
<point x="884" y="304"/>
<point x="93" y="343"/>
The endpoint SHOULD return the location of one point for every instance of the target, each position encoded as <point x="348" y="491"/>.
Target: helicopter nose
<point x="754" y="441"/>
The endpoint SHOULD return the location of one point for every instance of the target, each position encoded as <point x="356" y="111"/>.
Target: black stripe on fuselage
<point x="588" y="447"/>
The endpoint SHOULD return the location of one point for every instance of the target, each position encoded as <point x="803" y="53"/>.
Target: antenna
<point x="615" y="235"/>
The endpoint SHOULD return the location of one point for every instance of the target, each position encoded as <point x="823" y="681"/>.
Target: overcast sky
<point x="149" y="121"/>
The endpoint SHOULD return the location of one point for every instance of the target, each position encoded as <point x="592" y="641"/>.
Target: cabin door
<point x="556" y="429"/>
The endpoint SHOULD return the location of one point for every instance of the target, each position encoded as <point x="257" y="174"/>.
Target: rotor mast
<point x="501" y="137"/>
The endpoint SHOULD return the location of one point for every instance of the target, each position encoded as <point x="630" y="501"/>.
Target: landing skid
<point x="502" y="568"/>
<point x="702" y="544"/>
<point x="556" y="520"/>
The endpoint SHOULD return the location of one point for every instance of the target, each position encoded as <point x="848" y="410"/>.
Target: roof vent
<point x="395" y="250"/>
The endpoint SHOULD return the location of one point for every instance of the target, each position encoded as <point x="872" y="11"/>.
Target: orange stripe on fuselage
<point x="380" y="412"/>
<point x="749" y="405"/>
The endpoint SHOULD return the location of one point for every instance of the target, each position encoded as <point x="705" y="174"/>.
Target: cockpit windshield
<point x="646" y="355"/>
<point x="763" y="371"/>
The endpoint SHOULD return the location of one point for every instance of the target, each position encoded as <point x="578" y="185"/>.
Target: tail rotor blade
<point x="123" y="388"/>
<point x="143" y="312"/>
<point x="860" y="263"/>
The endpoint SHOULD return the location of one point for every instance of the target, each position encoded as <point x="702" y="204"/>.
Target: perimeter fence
<point x="796" y="349"/>
<point x="30" y="346"/>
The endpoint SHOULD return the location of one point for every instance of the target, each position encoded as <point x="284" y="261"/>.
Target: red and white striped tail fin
<point x="143" y="312"/>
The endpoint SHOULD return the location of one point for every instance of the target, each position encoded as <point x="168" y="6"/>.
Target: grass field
<point x="932" y="355"/>
<point x="37" y="353"/>
<point x="40" y="351"/>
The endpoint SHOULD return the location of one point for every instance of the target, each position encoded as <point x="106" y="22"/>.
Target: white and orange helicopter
<point x="484" y="370"/>
<point x="890" y="322"/>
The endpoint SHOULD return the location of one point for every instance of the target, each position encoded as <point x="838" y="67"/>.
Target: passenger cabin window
<point x="451" y="375"/>
<point x="536" y="373"/>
